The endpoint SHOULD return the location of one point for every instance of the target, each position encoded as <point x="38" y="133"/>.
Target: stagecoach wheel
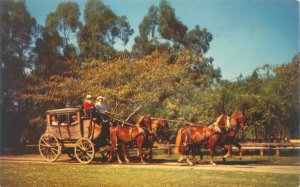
<point x="84" y="151"/>
<point x="49" y="147"/>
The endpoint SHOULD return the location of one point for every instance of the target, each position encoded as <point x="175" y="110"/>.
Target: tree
<point x="198" y="40"/>
<point x="169" y="26"/>
<point x="63" y="22"/>
<point x="161" y="30"/>
<point x="147" y="42"/>
<point x="16" y="38"/>
<point x="48" y="58"/>
<point x="101" y="30"/>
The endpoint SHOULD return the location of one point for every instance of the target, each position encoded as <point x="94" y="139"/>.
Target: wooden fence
<point x="262" y="147"/>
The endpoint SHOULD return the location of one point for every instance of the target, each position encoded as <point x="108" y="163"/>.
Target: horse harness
<point x="214" y="127"/>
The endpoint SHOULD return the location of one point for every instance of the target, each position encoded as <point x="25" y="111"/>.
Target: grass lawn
<point x="67" y="174"/>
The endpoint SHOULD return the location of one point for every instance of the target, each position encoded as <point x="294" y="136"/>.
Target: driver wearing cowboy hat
<point x="101" y="107"/>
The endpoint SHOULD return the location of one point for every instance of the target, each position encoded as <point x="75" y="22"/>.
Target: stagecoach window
<point x="73" y="119"/>
<point x="63" y="120"/>
<point x="53" y="120"/>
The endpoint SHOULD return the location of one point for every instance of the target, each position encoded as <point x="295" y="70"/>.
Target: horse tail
<point x="178" y="141"/>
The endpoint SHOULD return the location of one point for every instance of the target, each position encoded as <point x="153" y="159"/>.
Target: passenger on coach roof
<point x="101" y="108"/>
<point x="88" y="106"/>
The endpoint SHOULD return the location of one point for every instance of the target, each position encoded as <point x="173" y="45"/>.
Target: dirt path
<point x="289" y="169"/>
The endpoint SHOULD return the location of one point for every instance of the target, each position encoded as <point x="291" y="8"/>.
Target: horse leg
<point x="191" y="148"/>
<point x="139" y="143"/>
<point x="126" y="152"/>
<point x="228" y="154"/>
<point x="150" y="153"/>
<point x="111" y="151"/>
<point x="189" y="161"/>
<point x="118" y="155"/>
<point x="181" y="158"/>
<point x="239" y="147"/>
<point x="211" y="154"/>
<point x="110" y="155"/>
<point x="201" y="154"/>
<point x="194" y="153"/>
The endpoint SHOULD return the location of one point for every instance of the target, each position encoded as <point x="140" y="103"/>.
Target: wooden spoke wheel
<point x="84" y="151"/>
<point x="49" y="147"/>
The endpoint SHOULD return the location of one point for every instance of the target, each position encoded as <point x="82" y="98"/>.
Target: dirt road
<point x="249" y="167"/>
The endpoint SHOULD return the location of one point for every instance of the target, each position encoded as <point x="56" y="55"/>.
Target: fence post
<point x="169" y="149"/>
<point x="277" y="151"/>
<point x="262" y="152"/>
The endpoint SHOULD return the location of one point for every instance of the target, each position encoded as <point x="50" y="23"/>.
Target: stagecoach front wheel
<point x="49" y="147"/>
<point x="84" y="151"/>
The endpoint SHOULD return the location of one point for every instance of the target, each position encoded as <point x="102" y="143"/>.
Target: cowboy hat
<point x="88" y="97"/>
<point x="100" y="97"/>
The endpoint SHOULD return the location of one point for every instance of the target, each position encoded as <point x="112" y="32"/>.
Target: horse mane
<point x="142" y="123"/>
<point x="154" y="123"/>
<point x="217" y="122"/>
<point x="139" y="121"/>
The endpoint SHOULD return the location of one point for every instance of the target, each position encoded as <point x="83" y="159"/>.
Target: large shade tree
<point x="16" y="38"/>
<point x="64" y="22"/>
<point x="161" y="29"/>
<point x="101" y="30"/>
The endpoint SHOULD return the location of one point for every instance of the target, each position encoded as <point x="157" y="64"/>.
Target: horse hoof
<point x="180" y="160"/>
<point x="120" y="162"/>
<point x="213" y="164"/>
<point x="128" y="161"/>
<point x="145" y="163"/>
<point x="191" y="163"/>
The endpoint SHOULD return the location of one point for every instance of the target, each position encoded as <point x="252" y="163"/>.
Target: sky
<point x="246" y="33"/>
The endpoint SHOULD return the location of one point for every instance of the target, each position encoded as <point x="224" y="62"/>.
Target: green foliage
<point x="198" y="40"/>
<point x="169" y="26"/>
<point x="64" y="20"/>
<point x="171" y="77"/>
<point x="269" y="97"/>
<point x="161" y="30"/>
<point x="101" y="30"/>
<point x="59" y="26"/>
<point x="48" y="58"/>
<point x="147" y="42"/>
<point x="17" y="28"/>
<point x="16" y="38"/>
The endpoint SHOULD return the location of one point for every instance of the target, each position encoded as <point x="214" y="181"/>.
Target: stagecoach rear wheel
<point x="49" y="147"/>
<point x="84" y="151"/>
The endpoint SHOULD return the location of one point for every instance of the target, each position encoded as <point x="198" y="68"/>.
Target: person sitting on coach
<point x="88" y="106"/>
<point x="101" y="108"/>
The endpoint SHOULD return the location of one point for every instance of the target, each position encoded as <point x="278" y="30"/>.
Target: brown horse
<point x="227" y="139"/>
<point x="159" y="127"/>
<point x="192" y="136"/>
<point x="121" y="137"/>
<point x="237" y="122"/>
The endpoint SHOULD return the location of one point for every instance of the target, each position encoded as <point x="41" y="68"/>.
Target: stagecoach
<point x="69" y="131"/>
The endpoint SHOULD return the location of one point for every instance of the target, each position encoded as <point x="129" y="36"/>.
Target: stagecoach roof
<point x="63" y="111"/>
